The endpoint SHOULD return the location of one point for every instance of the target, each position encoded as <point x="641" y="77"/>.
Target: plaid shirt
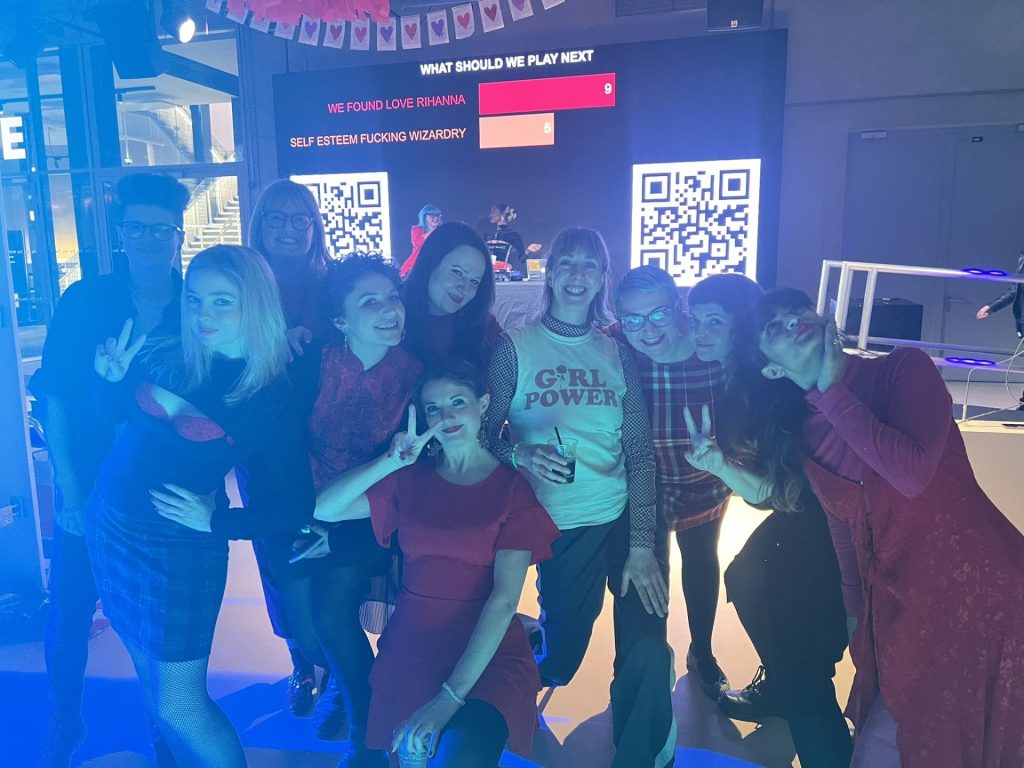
<point x="687" y="497"/>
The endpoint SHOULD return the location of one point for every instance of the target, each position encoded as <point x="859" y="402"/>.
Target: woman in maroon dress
<point x="454" y="674"/>
<point x="449" y="295"/>
<point x="939" y="639"/>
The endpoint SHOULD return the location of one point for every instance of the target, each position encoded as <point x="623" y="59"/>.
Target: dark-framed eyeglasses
<point x="299" y="221"/>
<point x="134" y="230"/>
<point x="659" y="318"/>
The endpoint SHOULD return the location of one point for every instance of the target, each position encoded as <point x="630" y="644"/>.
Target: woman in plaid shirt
<point x="691" y="502"/>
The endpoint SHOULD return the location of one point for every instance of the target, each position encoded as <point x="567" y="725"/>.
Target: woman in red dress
<point x="454" y="674"/>
<point x="430" y="219"/>
<point x="939" y="641"/>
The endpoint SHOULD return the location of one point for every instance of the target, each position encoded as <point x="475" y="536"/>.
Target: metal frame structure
<point x="872" y="271"/>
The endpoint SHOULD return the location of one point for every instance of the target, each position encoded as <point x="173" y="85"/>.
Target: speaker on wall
<point x="734" y="14"/>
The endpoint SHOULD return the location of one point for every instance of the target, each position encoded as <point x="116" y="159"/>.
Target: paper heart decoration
<point x="437" y="26"/>
<point x="411" y="30"/>
<point x="311" y="27"/>
<point x="519" y="4"/>
<point x="491" y="11"/>
<point x="463" y="20"/>
<point x="336" y="30"/>
<point x="360" y="33"/>
<point x="386" y="33"/>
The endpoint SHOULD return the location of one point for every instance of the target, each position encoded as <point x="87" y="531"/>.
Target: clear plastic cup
<point x="408" y="757"/>
<point x="567" y="450"/>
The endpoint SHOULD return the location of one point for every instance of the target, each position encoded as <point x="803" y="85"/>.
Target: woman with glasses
<point x="429" y="220"/>
<point x="691" y="502"/>
<point x="287" y="230"/>
<point x="558" y="379"/>
<point x="448" y="297"/>
<point x="199" y="402"/>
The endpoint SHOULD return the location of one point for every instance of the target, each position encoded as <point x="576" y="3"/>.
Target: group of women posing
<point x="403" y="420"/>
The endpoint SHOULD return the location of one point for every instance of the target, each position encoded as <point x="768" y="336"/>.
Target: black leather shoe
<point x="753" y="703"/>
<point x="329" y="716"/>
<point x="358" y="755"/>
<point x="301" y="684"/>
<point x="711" y="677"/>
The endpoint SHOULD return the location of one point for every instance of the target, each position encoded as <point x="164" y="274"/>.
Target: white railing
<point x="847" y="270"/>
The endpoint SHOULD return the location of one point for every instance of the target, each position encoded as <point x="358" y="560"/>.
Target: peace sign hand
<point x="113" y="358"/>
<point x="406" y="446"/>
<point x="704" y="453"/>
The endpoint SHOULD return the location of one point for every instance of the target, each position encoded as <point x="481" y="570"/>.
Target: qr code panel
<point x="696" y="219"/>
<point x="355" y="209"/>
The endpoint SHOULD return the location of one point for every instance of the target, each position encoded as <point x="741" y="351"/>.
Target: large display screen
<point x="670" y="148"/>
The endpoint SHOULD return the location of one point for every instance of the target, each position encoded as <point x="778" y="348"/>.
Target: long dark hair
<point x="470" y="321"/>
<point x="763" y="420"/>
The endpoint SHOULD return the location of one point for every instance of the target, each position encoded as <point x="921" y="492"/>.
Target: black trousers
<point x="585" y="562"/>
<point x="785" y="585"/>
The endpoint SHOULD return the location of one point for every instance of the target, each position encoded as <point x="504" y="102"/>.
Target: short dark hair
<point x="342" y="276"/>
<point x="458" y="371"/>
<point x="735" y="293"/>
<point x="154" y="189"/>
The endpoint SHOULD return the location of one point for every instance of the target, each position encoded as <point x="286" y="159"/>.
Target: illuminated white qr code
<point x="696" y="219"/>
<point x="356" y="211"/>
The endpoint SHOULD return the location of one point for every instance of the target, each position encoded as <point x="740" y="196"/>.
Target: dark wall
<point x="711" y="98"/>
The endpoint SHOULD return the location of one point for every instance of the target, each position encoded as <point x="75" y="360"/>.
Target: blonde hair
<point x="587" y="242"/>
<point x="286" y="189"/>
<point x="263" y="328"/>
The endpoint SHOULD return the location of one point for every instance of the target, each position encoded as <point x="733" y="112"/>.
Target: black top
<point x="89" y="312"/>
<point x="266" y="433"/>
<point x="1014" y="296"/>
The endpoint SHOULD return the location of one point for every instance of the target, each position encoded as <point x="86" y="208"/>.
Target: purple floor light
<point x="974" y="362"/>
<point x="980" y="271"/>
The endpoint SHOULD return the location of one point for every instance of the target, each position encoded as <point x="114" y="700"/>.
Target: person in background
<point x="429" y="220"/>
<point x="691" y="502"/>
<point x="288" y="231"/>
<point x="448" y="299"/>
<point x="560" y="378"/>
<point x="785" y="582"/>
<point x="358" y="386"/>
<point x="1014" y="298"/>
<point x="149" y="212"/>
<point x="939" y="624"/>
<point x="455" y="677"/>
<point x="200" y="401"/>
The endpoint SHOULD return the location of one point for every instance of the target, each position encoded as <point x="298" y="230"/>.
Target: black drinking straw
<point x="558" y="436"/>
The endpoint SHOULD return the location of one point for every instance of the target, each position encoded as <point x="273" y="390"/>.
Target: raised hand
<point x="704" y="453"/>
<point x="407" y="446"/>
<point x="113" y="358"/>
<point x="833" y="359"/>
<point x="296" y="337"/>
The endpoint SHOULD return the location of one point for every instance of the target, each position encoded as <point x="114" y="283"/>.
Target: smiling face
<point x="433" y="221"/>
<point x="214" y="312"/>
<point x="457" y="406"/>
<point x="286" y="243"/>
<point x="149" y="254"/>
<point x="659" y="344"/>
<point x="575" y="279"/>
<point x="792" y="341"/>
<point x="373" y="314"/>
<point x="455" y="281"/>
<point x="711" y="328"/>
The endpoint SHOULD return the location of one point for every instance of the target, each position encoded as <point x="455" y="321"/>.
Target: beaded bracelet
<point x="451" y="692"/>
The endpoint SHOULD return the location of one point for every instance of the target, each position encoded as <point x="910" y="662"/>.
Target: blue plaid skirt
<point x="161" y="583"/>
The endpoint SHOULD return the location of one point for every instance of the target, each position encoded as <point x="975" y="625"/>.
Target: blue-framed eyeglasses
<point x="659" y="318"/>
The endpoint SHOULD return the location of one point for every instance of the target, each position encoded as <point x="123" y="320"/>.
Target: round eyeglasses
<point x="659" y="318"/>
<point x="299" y="221"/>
<point x="134" y="230"/>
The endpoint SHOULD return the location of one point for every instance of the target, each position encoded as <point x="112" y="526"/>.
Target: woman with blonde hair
<point x="204" y="398"/>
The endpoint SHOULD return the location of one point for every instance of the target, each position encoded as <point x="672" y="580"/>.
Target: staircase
<point x="212" y="218"/>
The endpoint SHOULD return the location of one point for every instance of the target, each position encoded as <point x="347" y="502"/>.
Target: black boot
<point x="753" y="703"/>
<point x="710" y="676"/>
<point x="358" y="755"/>
<point x="329" y="716"/>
